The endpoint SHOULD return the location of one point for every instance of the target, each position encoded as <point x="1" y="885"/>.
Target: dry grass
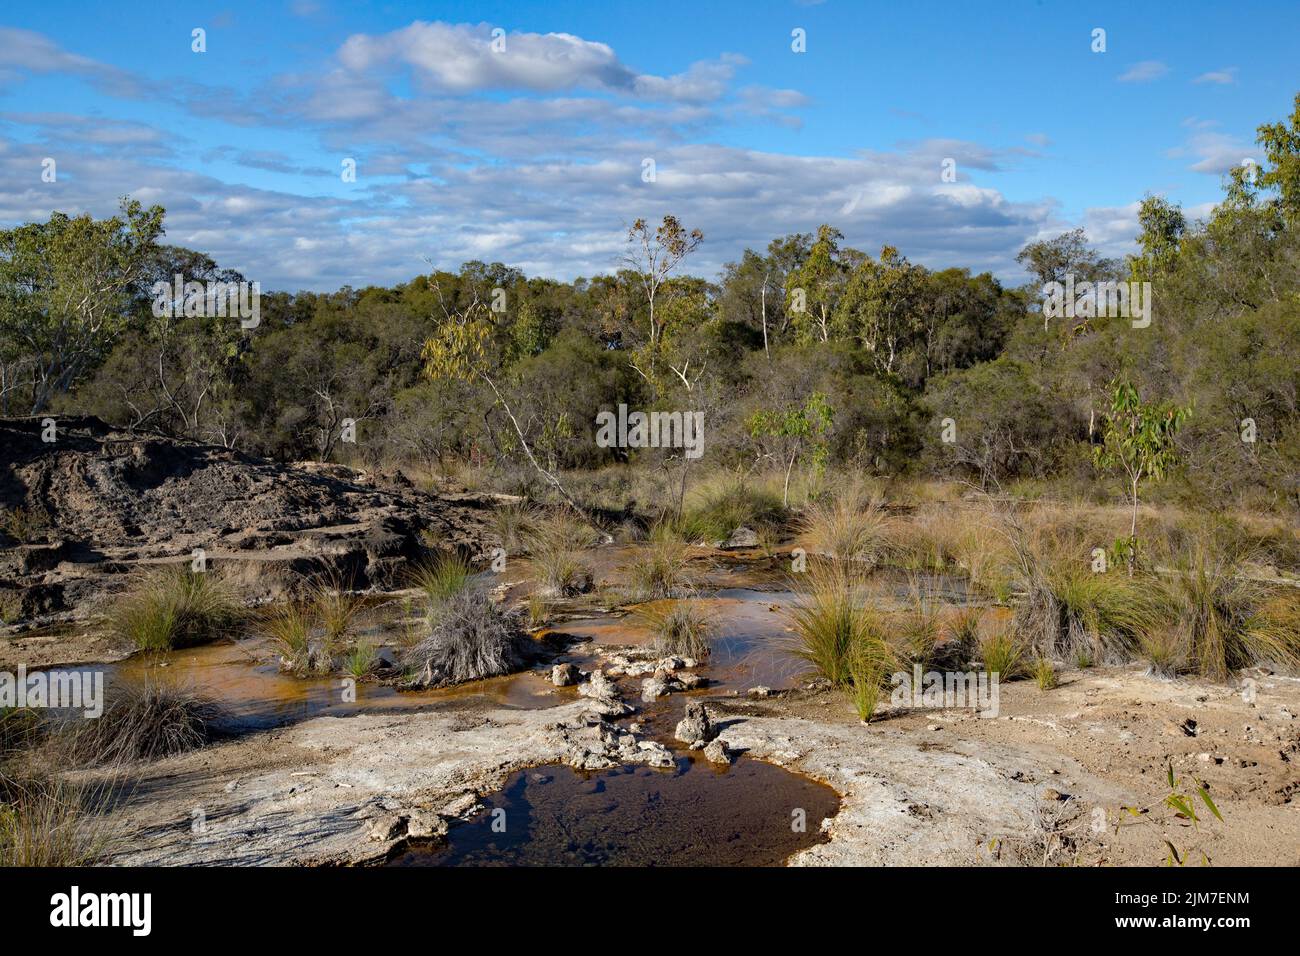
<point x="678" y="627"/>
<point x="45" y="821"/>
<point x="468" y="638"/>
<point x="659" y="569"/>
<point x="851" y="527"/>
<point x="144" y="720"/>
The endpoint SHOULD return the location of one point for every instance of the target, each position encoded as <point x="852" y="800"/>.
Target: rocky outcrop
<point x="97" y="502"/>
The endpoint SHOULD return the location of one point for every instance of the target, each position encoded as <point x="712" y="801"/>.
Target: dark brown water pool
<point x="750" y="814"/>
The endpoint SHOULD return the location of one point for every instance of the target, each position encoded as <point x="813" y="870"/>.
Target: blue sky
<point x="533" y="155"/>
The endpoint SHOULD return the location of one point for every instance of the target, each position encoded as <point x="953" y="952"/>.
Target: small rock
<point x="599" y="687"/>
<point x="388" y="826"/>
<point x="652" y="688"/>
<point x="565" y="675"/>
<point x="742" y="537"/>
<point x="760" y="691"/>
<point x="717" y="752"/>
<point x="695" y="726"/>
<point x="1051" y="793"/>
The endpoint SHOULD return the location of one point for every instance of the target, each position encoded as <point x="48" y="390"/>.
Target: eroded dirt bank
<point x="926" y="787"/>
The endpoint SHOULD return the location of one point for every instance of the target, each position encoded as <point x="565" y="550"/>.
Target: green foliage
<point x="173" y="607"/>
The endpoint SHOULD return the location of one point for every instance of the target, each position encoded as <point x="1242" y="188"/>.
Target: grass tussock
<point x="361" y="661"/>
<point x="659" y="569"/>
<point x="45" y="821"/>
<point x="716" y="507"/>
<point x="679" y="627"/>
<point x="442" y="578"/>
<point x="173" y="607"/>
<point x="555" y="546"/>
<point x="144" y="720"/>
<point x="851" y="527"/>
<point x="1224" y="620"/>
<point x="833" y="626"/>
<point x="1003" y="653"/>
<point x="468" y="638"/>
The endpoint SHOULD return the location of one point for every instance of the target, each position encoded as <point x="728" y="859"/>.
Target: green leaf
<point x="1205" y="795"/>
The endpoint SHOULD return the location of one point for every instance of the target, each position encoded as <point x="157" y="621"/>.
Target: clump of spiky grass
<point x="1045" y="673"/>
<point x="869" y="662"/>
<point x="563" y="531"/>
<point x="333" y="608"/>
<point x="1068" y="607"/>
<point x="850" y="527"/>
<point x="442" y="578"/>
<point x="145" y="720"/>
<point x="1003" y="653"/>
<point x="538" y="610"/>
<point x="1165" y="651"/>
<point x="20" y="727"/>
<point x="289" y="626"/>
<point x="831" y="622"/>
<point x="45" y="821"/>
<point x="556" y="557"/>
<point x="962" y="634"/>
<point x="469" y="638"/>
<point x="515" y="524"/>
<point x="659" y="569"/>
<point x="173" y="607"/>
<point x="679" y="627"/>
<point x="915" y="632"/>
<point x="361" y="660"/>
<point x="1224" y="617"/>
<point x="716" y="507"/>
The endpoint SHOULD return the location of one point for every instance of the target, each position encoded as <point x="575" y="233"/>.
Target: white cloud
<point x="1144" y="72"/>
<point x="1224" y="77"/>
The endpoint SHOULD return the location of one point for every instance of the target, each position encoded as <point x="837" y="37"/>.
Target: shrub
<point x="173" y="607"/>
<point x="679" y="627"/>
<point x="469" y="638"/>
<point x="145" y="720"/>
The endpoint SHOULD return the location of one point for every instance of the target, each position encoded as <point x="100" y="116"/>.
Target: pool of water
<point x="696" y="814"/>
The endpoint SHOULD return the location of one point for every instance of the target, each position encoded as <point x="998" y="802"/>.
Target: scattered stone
<point x="599" y="687"/>
<point x="690" y="681"/>
<point x="565" y="675"/>
<point x="425" y="825"/>
<point x="695" y="726"/>
<point x="388" y="826"/>
<point x="760" y="691"/>
<point x="652" y="688"/>
<point x="717" y="752"/>
<point x="1051" y="793"/>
